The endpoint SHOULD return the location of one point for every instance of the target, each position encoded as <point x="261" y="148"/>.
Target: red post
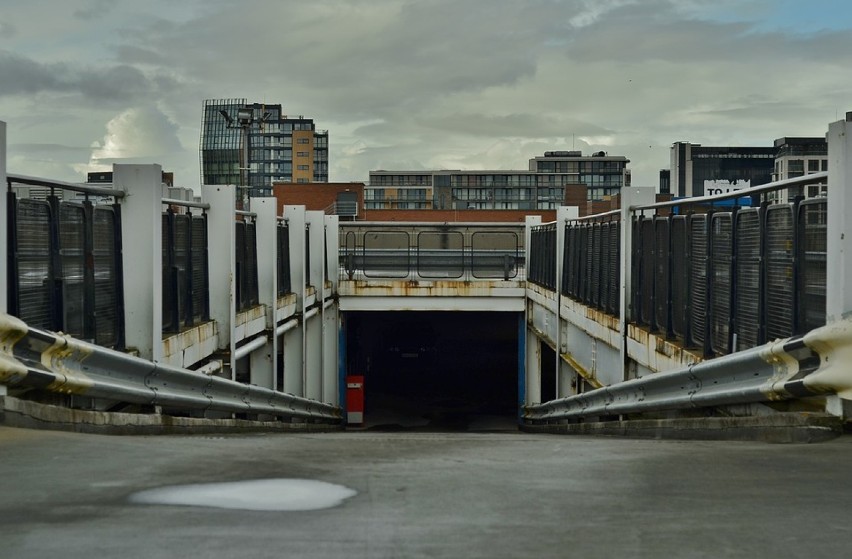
<point x="355" y="399"/>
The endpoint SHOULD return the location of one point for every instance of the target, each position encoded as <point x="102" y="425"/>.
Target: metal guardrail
<point x="795" y="367"/>
<point x="38" y="359"/>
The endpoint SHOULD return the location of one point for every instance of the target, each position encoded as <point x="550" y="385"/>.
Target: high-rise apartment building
<point x="541" y="187"/>
<point x="280" y="148"/>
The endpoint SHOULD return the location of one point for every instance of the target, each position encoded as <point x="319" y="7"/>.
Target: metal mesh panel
<point x="615" y="268"/>
<point x="812" y="264"/>
<point x="589" y="257"/>
<point x="103" y="256"/>
<point x="72" y="256"/>
<point x="720" y="292"/>
<point x="604" y="265"/>
<point x="679" y="278"/>
<point x="495" y="254"/>
<point x="198" y="255"/>
<point x="567" y="269"/>
<point x="595" y="266"/>
<point x="169" y="295"/>
<point x="779" y="272"/>
<point x="251" y="264"/>
<point x="661" y="274"/>
<point x="574" y="261"/>
<point x="698" y="279"/>
<point x="647" y="265"/>
<point x="34" y="273"/>
<point x="747" y="307"/>
<point x="181" y="262"/>
<point x="635" y="272"/>
<point x="284" y="283"/>
<point x="240" y="263"/>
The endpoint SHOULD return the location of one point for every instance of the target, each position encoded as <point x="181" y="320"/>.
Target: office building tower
<point x="256" y="144"/>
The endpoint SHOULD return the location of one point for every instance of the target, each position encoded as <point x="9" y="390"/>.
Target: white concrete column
<point x="330" y="337"/>
<point x="142" y="246"/>
<point x="564" y="215"/>
<point x="314" y="325"/>
<point x="332" y="228"/>
<point x="838" y="298"/>
<point x="294" y="340"/>
<point x="4" y="209"/>
<point x="533" y="361"/>
<point x="630" y="197"/>
<point x="263" y="360"/>
<point x="221" y="256"/>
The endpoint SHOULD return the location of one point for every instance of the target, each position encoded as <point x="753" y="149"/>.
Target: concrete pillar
<point x="221" y="258"/>
<point x="330" y="367"/>
<point x="564" y="215"/>
<point x="313" y="326"/>
<point x="263" y="360"/>
<point x="630" y="197"/>
<point x="142" y="242"/>
<point x="330" y="329"/>
<point x="838" y="298"/>
<point x="294" y="340"/>
<point x="533" y="368"/>
<point x="4" y="209"/>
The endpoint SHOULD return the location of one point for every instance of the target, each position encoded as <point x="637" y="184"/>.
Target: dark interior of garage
<point x="436" y="370"/>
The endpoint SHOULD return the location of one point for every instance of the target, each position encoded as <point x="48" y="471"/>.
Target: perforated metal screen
<point x="661" y="274"/>
<point x="722" y="279"/>
<point x="698" y="279"/>
<point x="747" y="309"/>
<point x="679" y="275"/>
<point x="812" y="263"/>
<point x="779" y="272"/>
<point x="104" y="261"/>
<point x="35" y="289"/>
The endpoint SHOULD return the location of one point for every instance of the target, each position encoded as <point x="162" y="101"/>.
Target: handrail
<point x="186" y="203"/>
<point x="769" y="187"/>
<point x="30" y="357"/>
<point x="795" y="367"/>
<point x="75" y="187"/>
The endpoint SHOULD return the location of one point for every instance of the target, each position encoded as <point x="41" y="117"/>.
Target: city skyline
<point x="414" y="85"/>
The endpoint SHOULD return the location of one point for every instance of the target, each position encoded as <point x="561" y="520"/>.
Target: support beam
<point x="4" y="234"/>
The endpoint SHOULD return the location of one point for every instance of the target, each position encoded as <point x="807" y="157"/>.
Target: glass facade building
<point x="542" y="187"/>
<point x="281" y="148"/>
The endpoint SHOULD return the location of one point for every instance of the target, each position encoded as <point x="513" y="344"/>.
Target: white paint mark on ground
<point x="259" y="494"/>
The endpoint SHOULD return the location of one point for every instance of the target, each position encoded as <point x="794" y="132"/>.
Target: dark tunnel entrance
<point x="436" y="370"/>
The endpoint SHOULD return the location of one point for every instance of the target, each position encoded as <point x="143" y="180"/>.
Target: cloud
<point x="96" y="9"/>
<point x="141" y="132"/>
<point x="113" y="83"/>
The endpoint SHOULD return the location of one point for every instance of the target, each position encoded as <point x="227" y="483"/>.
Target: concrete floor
<point x="421" y="494"/>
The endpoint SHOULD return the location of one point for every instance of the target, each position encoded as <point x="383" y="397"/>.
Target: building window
<point x="303" y="140"/>
<point x="302" y="154"/>
<point x="301" y="181"/>
<point x="813" y="165"/>
<point x="303" y="167"/>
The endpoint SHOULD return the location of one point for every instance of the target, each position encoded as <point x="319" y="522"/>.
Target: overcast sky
<point x="419" y="84"/>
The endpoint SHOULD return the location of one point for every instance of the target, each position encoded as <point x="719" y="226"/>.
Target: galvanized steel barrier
<point x="801" y="366"/>
<point x="38" y="359"/>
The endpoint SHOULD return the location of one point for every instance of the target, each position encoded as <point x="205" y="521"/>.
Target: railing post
<point x="221" y="238"/>
<point x="330" y="316"/>
<point x="315" y="277"/>
<point x="838" y="300"/>
<point x="531" y="344"/>
<point x="630" y="196"/>
<point x="141" y="221"/>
